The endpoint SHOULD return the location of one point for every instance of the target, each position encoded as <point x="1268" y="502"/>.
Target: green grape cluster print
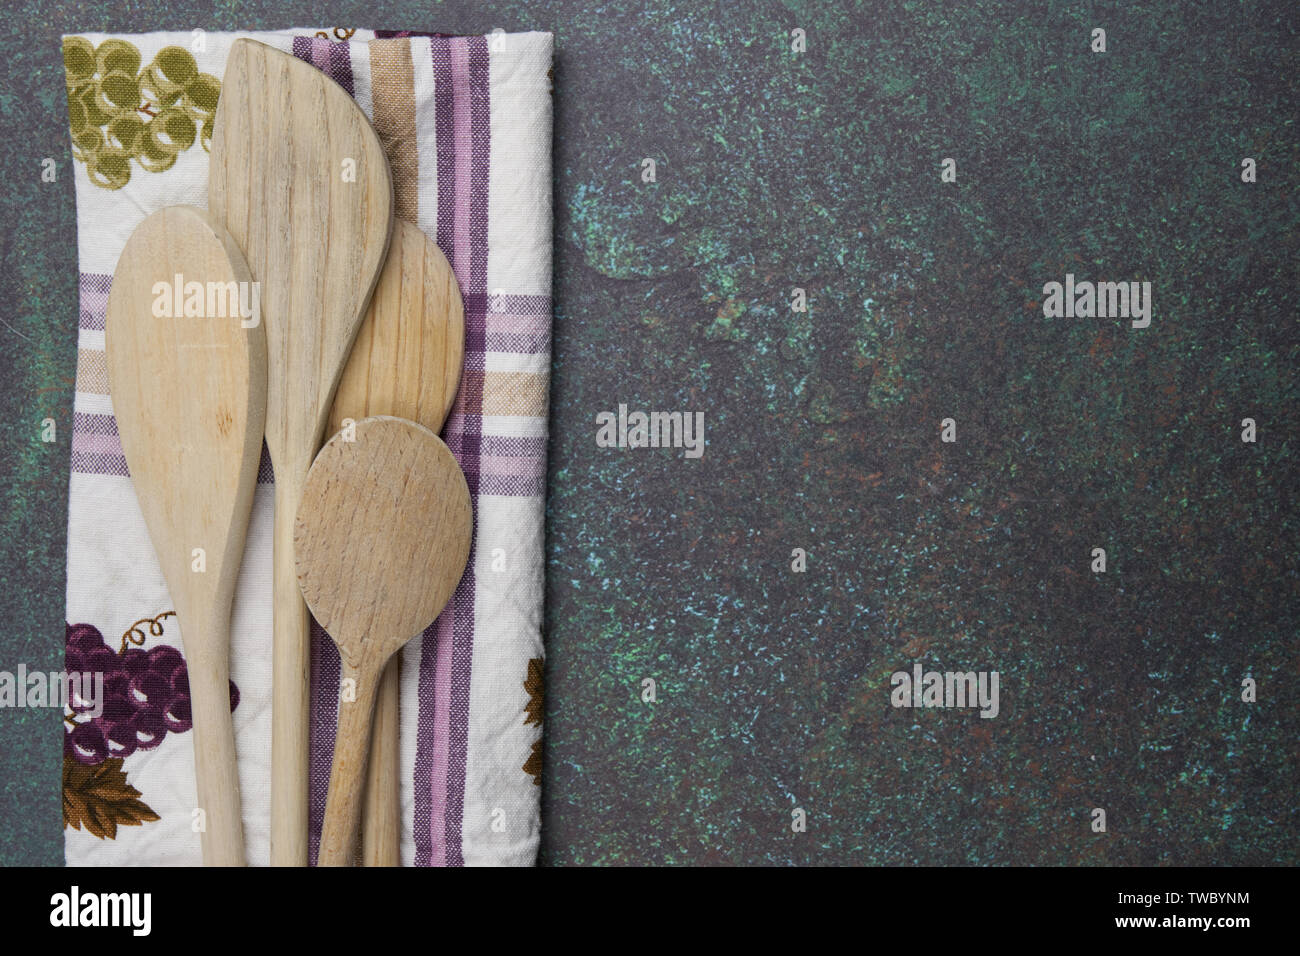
<point x="121" y="110"/>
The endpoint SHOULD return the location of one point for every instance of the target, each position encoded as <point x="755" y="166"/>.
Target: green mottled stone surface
<point x="821" y="170"/>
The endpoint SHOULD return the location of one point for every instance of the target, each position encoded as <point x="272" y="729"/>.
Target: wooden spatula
<point x="406" y="362"/>
<point x="187" y="375"/>
<point x="300" y="180"/>
<point x="381" y="540"/>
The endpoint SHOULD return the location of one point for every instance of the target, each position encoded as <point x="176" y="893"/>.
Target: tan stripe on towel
<point x="514" y="393"/>
<point x="92" y="372"/>
<point x="392" y="96"/>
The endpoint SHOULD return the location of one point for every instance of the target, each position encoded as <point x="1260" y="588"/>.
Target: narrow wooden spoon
<point x="380" y="542"/>
<point x="189" y="393"/>
<point x="302" y="183"/>
<point x="406" y="361"/>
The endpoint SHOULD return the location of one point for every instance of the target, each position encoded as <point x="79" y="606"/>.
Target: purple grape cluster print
<point x="146" y="695"/>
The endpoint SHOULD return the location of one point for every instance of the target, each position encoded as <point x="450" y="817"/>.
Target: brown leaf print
<point x="535" y="708"/>
<point x="533" y="764"/>
<point x="98" y="797"/>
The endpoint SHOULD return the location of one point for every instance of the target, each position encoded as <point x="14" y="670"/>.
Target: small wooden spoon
<point x="381" y="540"/>
<point x="189" y="393"/>
<point x="302" y="183"/>
<point x="406" y="362"/>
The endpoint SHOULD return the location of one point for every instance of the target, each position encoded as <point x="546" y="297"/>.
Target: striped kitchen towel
<point x="466" y="122"/>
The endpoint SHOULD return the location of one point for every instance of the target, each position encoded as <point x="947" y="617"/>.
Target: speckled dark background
<point x="821" y="170"/>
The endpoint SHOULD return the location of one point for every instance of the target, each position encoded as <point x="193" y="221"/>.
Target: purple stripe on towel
<point x="470" y="72"/>
<point x="430" y="825"/>
<point x="332" y="59"/>
<point x="93" y="294"/>
<point x="326" y="669"/>
<point x="339" y="57"/>
<point x="460" y="70"/>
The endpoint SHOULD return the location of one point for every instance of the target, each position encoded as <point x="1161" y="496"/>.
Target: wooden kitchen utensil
<point x="300" y="180"/>
<point x="189" y="394"/>
<point x="381" y="540"/>
<point x="406" y="362"/>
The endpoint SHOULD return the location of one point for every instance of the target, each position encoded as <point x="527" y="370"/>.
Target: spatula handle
<point x="348" y="773"/>
<point x="381" y="820"/>
<point x="290" y="682"/>
<point x="215" y="768"/>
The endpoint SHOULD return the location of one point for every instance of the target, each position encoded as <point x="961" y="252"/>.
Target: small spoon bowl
<point x="381" y="540"/>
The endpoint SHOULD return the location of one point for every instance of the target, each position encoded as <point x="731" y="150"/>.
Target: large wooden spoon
<point x="187" y="375"/>
<point x="405" y="362"/>
<point x="381" y="540"/>
<point x="301" y="181"/>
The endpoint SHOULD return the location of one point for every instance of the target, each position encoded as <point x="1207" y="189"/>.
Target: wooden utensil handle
<point x="381" y="819"/>
<point x="348" y="772"/>
<point x="215" y="767"/>
<point x="290" y="684"/>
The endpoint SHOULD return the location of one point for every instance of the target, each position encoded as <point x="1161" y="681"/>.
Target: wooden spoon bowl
<point x="380" y="542"/>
